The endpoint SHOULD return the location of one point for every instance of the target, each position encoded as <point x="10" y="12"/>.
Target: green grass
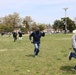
<point x="16" y="58"/>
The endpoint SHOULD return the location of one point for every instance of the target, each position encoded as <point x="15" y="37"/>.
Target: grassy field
<point x="16" y="58"/>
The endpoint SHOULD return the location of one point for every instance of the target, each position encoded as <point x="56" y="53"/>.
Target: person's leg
<point x="36" y="50"/>
<point x="72" y="54"/>
<point x="14" y="39"/>
<point x="75" y="67"/>
<point x="20" y="38"/>
<point x="74" y="50"/>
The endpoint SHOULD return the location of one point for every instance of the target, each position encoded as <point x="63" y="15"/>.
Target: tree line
<point x="60" y="24"/>
<point x="10" y="21"/>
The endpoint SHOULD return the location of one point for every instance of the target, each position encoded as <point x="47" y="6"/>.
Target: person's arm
<point x="30" y="37"/>
<point x="43" y="33"/>
<point x="74" y="41"/>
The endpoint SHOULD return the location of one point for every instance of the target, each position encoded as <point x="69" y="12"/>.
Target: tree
<point x="70" y="24"/>
<point x="42" y="27"/>
<point x="25" y="27"/>
<point x="57" y="26"/>
<point x="28" y="19"/>
<point x="4" y="28"/>
<point x="26" y="23"/>
<point x="34" y="25"/>
<point x="10" y="21"/>
<point x="60" y="24"/>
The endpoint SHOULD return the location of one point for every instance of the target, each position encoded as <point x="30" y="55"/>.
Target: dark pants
<point x="74" y="53"/>
<point x="15" y="38"/>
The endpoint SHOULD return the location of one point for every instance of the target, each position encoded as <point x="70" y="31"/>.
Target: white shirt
<point x="74" y="41"/>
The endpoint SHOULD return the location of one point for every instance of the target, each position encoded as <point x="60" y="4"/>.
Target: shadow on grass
<point x="68" y="69"/>
<point x="29" y="55"/>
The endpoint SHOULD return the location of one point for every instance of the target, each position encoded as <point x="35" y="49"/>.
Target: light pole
<point x="65" y="23"/>
<point x="75" y="21"/>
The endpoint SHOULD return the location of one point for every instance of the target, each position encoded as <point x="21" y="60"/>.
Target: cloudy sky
<point x="41" y="11"/>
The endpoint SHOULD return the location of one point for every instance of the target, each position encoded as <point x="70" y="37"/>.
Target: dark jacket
<point x="36" y="36"/>
<point x="20" y="34"/>
<point x="14" y="34"/>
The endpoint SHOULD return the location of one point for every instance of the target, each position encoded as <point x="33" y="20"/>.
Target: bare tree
<point x="12" y="19"/>
<point x="28" y="19"/>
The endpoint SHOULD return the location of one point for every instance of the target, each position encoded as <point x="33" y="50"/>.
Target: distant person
<point x="20" y="35"/>
<point x="35" y="39"/>
<point x="2" y="33"/>
<point x="9" y="34"/>
<point x="73" y="54"/>
<point x="14" y="36"/>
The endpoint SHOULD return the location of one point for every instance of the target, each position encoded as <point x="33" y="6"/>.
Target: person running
<point x="14" y="36"/>
<point x="20" y="35"/>
<point x="36" y="35"/>
<point x="73" y="54"/>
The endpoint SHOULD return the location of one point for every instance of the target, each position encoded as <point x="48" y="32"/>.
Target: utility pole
<point x="65" y="23"/>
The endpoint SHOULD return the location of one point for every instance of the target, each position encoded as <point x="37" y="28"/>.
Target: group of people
<point x="34" y="37"/>
<point x="15" y="35"/>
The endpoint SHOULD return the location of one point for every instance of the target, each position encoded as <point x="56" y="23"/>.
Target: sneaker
<point x="74" y="67"/>
<point x="35" y="55"/>
<point x="70" y="56"/>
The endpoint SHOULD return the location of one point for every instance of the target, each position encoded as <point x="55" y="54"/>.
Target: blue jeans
<point x="36" y="48"/>
<point x="74" y="53"/>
